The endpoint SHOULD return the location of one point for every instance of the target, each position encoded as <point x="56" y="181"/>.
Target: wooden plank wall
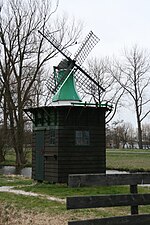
<point x="51" y="158"/>
<point x="33" y="155"/>
<point x="81" y="159"/>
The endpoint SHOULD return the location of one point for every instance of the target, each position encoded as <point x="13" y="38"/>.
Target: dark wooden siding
<point x="33" y="155"/>
<point x="81" y="159"/>
<point x="50" y="155"/>
<point x="65" y="157"/>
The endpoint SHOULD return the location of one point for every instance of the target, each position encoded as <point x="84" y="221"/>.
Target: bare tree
<point x="135" y="80"/>
<point x="146" y="135"/>
<point x="24" y="55"/>
<point x="120" y="134"/>
<point x="101" y="71"/>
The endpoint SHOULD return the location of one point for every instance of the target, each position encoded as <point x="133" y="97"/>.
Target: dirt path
<point x="20" y="192"/>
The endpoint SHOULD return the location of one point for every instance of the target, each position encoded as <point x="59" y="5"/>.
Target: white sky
<point x="118" y="23"/>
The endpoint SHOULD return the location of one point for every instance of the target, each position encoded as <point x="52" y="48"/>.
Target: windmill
<point x="65" y="133"/>
<point x="69" y="70"/>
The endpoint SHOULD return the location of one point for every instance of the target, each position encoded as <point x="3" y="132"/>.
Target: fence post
<point x="134" y="190"/>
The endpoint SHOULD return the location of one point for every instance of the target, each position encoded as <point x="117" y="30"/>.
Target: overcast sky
<point x="118" y="23"/>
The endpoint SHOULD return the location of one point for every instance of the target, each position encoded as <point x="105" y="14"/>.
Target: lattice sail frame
<point x="86" y="47"/>
<point x="50" y="37"/>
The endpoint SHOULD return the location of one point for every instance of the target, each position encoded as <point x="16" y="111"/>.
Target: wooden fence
<point x="133" y="199"/>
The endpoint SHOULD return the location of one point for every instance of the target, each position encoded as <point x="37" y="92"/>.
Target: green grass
<point x="27" y="202"/>
<point x="56" y="190"/>
<point x="14" y="180"/>
<point x="53" y="208"/>
<point x="10" y="158"/>
<point x="130" y="160"/>
<point x="62" y="191"/>
<point x="42" y="205"/>
<point x="32" y="203"/>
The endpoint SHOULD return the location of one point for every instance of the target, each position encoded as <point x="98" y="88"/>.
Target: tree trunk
<point x="2" y="158"/>
<point x="20" y="156"/>
<point x="140" y="142"/>
<point x="17" y="133"/>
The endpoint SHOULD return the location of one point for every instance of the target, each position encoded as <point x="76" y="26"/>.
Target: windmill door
<point x="39" y="155"/>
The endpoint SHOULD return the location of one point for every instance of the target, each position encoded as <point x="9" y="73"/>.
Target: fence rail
<point x="133" y="199"/>
<point x="82" y="180"/>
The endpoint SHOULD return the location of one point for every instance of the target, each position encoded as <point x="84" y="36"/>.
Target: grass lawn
<point x="17" y="206"/>
<point x="130" y="160"/>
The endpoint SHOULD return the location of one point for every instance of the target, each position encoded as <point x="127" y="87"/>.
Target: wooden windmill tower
<point x="69" y="135"/>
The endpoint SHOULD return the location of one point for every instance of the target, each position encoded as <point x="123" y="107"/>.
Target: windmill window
<point x="82" y="137"/>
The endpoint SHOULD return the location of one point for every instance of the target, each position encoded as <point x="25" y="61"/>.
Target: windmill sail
<point x="86" y="47"/>
<point x="85" y="80"/>
<point x="51" y="83"/>
<point x="50" y="38"/>
<point x="83" y="73"/>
